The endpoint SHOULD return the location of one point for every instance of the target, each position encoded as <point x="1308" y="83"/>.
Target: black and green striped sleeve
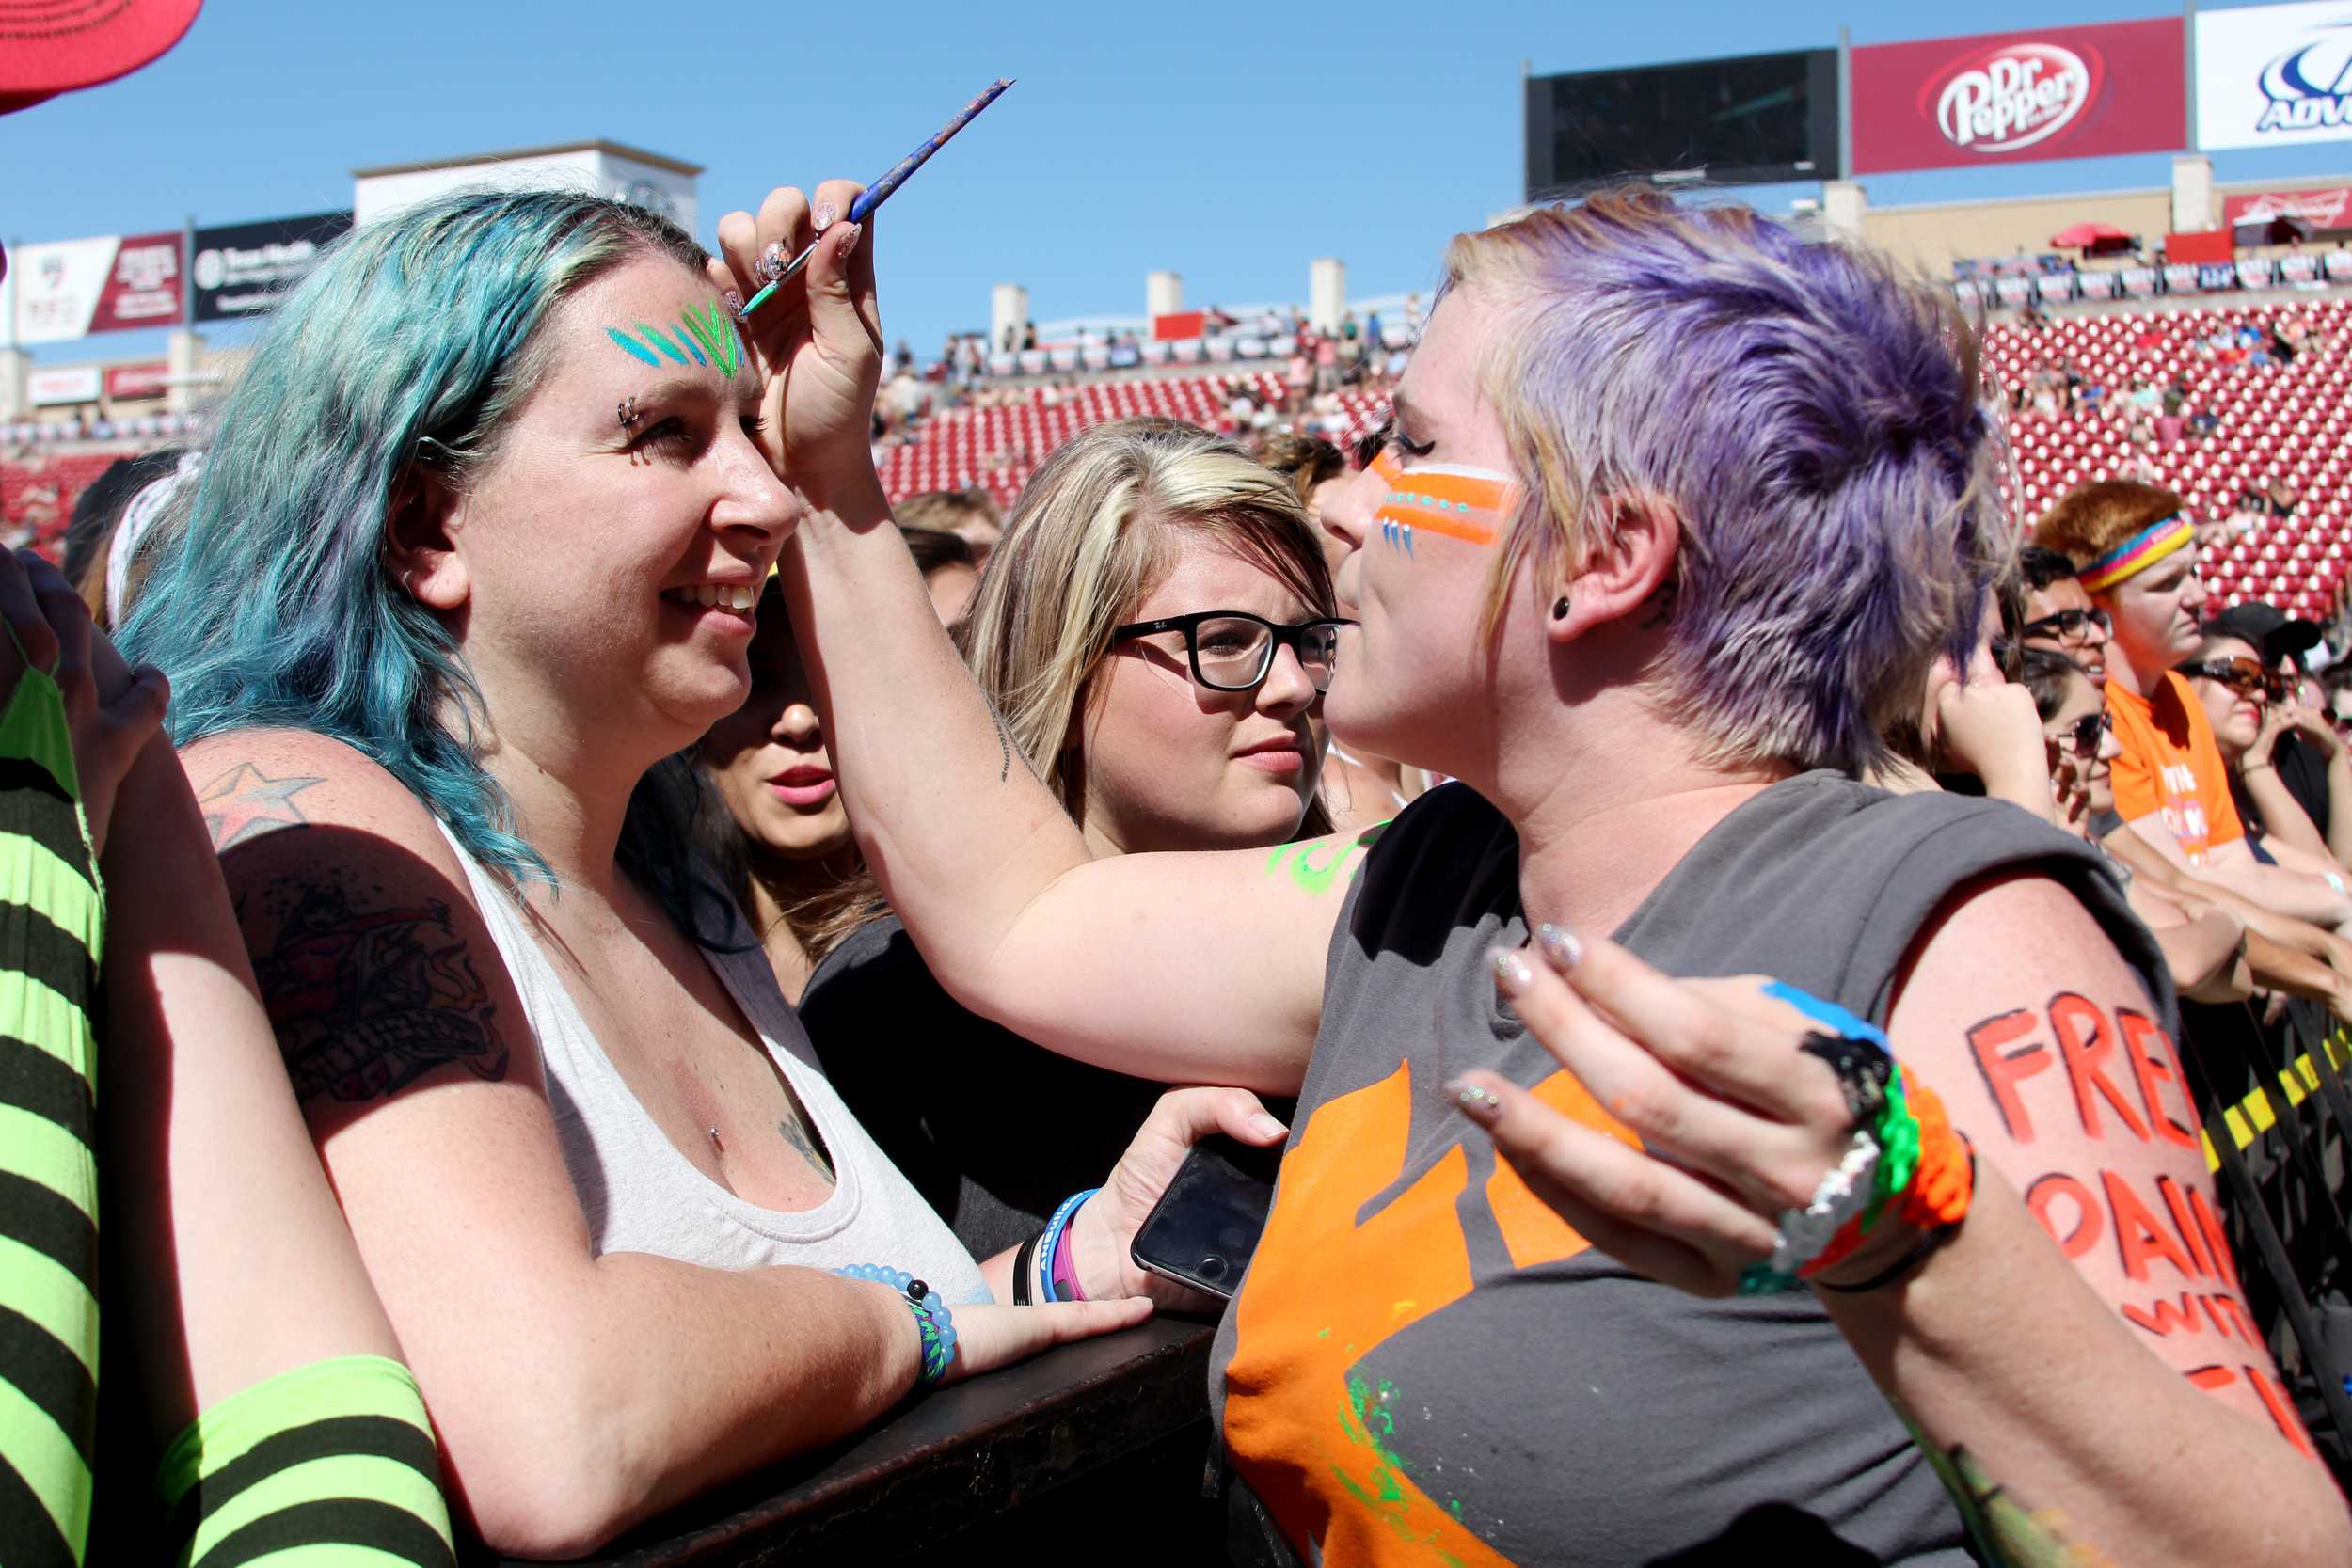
<point x="51" y="920"/>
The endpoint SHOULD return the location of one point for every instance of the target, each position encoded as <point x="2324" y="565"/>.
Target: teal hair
<point x="408" y="351"/>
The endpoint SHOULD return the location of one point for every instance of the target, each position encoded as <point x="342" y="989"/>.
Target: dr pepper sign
<point x="2055" y="92"/>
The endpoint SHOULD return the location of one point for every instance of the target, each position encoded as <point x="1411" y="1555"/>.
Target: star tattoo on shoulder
<point x="245" y="802"/>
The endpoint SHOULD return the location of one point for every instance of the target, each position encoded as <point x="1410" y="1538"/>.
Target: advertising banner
<point x="2274" y="75"/>
<point x="2052" y="288"/>
<point x="241" y="270"/>
<point x="47" y="388"/>
<point x="2141" y="282"/>
<point x="2102" y="285"/>
<point x="124" y="382"/>
<point x="109" y="284"/>
<point x="2302" y="267"/>
<point x="2321" y="209"/>
<point x="2339" y="266"/>
<point x="2057" y="92"/>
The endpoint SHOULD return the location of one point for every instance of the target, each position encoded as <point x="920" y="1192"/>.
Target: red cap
<point x="53" y="46"/>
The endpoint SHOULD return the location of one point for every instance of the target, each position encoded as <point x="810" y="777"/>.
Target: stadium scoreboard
<point x="1745" y="119"/>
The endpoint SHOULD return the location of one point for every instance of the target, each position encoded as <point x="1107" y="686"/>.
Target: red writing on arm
<point x="2004" y="1068"/>
<point x="2139" y="1033"/>
<point x="2190" y="1312"/>
<point x="2085" y="1043"/>
<point x="2216" y="1240"/>
<point x="2273" y="1397"/>
<point x="2139" y="1234"/>
<point x="2176" y="1199"/>
<point x="2083" y="1234"/>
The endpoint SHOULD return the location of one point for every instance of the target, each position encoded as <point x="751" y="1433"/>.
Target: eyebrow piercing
<point x="628" y="412"/>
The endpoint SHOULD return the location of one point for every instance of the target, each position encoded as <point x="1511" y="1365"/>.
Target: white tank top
<point x="641" y="1195"/>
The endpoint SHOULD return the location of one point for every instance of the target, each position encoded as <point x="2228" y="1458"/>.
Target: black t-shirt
<point x="994" y="1131"/>
<point x="2304" y="771"/>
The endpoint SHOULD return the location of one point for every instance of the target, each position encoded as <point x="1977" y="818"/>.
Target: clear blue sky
<point x="1231" y="143"/>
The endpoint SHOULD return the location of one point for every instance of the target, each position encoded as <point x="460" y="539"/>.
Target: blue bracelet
<point x="931" y="1317"/>
<point x="1051" y="1241"/>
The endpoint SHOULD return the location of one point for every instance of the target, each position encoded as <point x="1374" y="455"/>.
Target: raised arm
<point x="575" y="1394"/>
<point x="1189" y="967"/>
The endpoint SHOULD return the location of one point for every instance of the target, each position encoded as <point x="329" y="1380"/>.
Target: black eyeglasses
<point x="2066" y="624"/>
<point x="1231" y="651"/>
<point x="2242" y="675"/>
<point x="2083" y="735"/>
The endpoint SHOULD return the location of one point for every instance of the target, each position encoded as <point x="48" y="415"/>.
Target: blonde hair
<point x="1098" y="529"/>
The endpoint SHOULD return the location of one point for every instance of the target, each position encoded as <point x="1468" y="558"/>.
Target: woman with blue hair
<point x="472" y="561"/>
<point x="1589" y="1246"/>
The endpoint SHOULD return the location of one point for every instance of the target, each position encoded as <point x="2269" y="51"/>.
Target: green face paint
<point x="706" y="336"/>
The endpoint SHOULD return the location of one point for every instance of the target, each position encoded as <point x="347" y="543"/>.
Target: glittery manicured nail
<point x="823" y="216"/>
<point x="1511" y="971"/>
<point x="1481" y="1105"/>
<point x="1559" y="945"/>
<point x="733" y="299"/>
<point x="849" y="243"/>
<point x="772" y="262"/>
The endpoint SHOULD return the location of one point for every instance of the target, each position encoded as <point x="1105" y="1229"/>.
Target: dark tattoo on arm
<point x="366" y="999"/>
<point x="245" y="802"/>
<point x="797" y="1134"/>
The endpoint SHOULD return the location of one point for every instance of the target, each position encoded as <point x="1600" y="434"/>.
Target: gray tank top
<point x="641" y="1195"/>
<point x="1424" y="1364"/>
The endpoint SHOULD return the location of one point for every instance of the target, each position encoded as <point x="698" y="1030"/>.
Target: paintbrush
<point x="879" y="192"/>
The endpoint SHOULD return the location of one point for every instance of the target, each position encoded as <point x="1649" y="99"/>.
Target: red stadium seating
<point x="2289" y="421"/>
<point x="37" y="493"/>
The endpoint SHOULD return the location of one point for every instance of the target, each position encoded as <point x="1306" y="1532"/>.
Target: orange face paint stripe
<point x="1454" y="502"/>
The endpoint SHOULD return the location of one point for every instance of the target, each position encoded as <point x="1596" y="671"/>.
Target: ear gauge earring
<point x="1560" y="607"/>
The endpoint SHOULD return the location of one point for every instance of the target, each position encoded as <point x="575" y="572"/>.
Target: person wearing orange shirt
<point x="2130" y="542"/>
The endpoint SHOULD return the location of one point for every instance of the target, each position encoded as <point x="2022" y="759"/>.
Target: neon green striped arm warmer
<point x="51" y="922"/>
<point x="330" y="1466"/>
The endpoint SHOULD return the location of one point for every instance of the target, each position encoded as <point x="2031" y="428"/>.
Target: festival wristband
<point x="1049" y="1245"/>
<point x="933" y="1320"/>
<point x="1064" y="1272"/>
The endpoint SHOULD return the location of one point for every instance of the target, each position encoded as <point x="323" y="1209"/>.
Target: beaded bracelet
<point x="931" y="1318"/>
<point x="1049" y="1245"/>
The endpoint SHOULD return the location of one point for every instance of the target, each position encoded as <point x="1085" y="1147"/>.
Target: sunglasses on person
<point x="2244" y="677"/>
<point x="2066" y="626"/>
<point x="1231" y="651"/>
<point x="2082" y="735"/>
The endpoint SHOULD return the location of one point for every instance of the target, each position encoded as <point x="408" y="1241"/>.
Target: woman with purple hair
<point x="1590" y="1246"/>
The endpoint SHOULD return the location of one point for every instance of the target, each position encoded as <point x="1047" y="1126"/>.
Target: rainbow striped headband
<point x="1448" y="499"/>
<point x="2137" y="554"/>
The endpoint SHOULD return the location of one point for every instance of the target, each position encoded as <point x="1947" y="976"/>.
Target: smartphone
<point x="1206" y="1224"/>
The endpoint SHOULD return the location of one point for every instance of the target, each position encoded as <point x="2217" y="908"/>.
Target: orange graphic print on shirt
<point x="1301" y="1424"/>
<point x="2171" y="769"/>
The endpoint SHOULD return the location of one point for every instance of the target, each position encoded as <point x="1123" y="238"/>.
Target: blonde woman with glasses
<point x="1156" y="628"/>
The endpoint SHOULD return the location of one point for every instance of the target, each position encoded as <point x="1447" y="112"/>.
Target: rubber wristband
<point x="1022" y="1262"/>
<point x="1065" y="1268"/>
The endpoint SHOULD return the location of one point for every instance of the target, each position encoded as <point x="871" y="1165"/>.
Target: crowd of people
<point x="626" y="959"/>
